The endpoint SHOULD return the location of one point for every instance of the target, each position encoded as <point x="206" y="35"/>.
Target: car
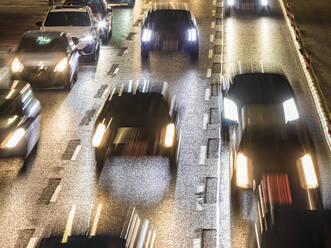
<point x="46" y="59"/>
<point x="122" y="3"/>
<point x="171" y="27"/>
<point x="236" y="5"/>
<point x="137" y="119"/>
<point x="78" y="22"/>
<point x="268" y="141"/>
<point x="20" y="117"/>
<point x="102" y="12"/>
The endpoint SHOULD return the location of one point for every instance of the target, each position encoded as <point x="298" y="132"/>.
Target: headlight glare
<point x="230" y="110"/>
<point x="243" y="172"/>
<point x="87" y="38"/>
<point x="309" y="174"/>
<point x="231" y="2"/>
<point x="192" y="34"/>
<point x="98" y="135"/>
<point x="264" y="2"/>
<point x="290" y="110"/>
<point x="62" y="65"/>
<point x="146" y="35"/>
<point x="170" y="134"/>
<point x="101" y="24"/>
<point x="13" y="139"/>
<point x="16" y="65"/>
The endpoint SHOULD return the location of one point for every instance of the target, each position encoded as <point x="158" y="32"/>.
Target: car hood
<point x="71" y="30"/>
<point x="40" y="59"/>
<point x="7" y="123"/>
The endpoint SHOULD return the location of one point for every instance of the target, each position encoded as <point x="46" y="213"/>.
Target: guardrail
<point x="305" y="57"/>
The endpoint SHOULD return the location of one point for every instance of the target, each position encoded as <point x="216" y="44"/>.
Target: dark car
<point x="136" y="120"/>
<point x="291" y="228"/>
<point x="46" y="59"/>
<point x="19" y="120"/>
<point x="169" y="27"/>
<point x="270" y="144"/>
<point x="102" y="12"/>
<point x="236" y="5"/>
<point x="122" y="3"/>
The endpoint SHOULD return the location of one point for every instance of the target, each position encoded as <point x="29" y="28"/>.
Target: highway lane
<point x="262" y="43"/>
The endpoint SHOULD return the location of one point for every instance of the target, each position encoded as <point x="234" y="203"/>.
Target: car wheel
<point x="68" y="82"/>
<point x="144" y="53"/>
<point x="95" y="55"/>
<point x="195" y="52"/>
<point x="105" y="36"/>
<point x="227" y="12"/>
<point x="100" y="157"/>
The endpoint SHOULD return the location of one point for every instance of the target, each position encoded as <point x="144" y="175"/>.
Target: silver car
<point x="46" y="59"/>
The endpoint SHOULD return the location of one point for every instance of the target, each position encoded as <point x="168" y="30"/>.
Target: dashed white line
<point x="212" y="38"/>
<point x="208" y="72"/>
<point x="116" y="71"/>
<point x="74" y="156"/>
<point x="196" y="243"/>
<point x="212" y="25"/>
<point x="105" y="94"/>
<point x="32" y="243"/>
<point x="56" y="193"/>
<point x="70" y="221"/>
<point x="214" y="2"/>
<point x="207" y="94"/>
<point x="213" y="13"/>
<point x="205" y="121"/>
<point x="210" y="53"/>
<point x="203" y="150"/>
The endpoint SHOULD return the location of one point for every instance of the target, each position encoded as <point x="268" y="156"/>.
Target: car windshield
<point x="9" y="104"/>
<point x="42" y="43"/>
<point x="169" y="17"/>
<point x="67" y="19"/>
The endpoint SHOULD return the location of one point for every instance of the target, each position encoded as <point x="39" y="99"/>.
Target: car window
<point x="96" y="6"/>
<point x="169" y="17"/>
<point x="67" y="19"/>
<point x="9" y="103"/>
<point x="42" y="43"/>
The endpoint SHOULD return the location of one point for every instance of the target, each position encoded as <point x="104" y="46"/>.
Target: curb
<point x="305" y="59"/>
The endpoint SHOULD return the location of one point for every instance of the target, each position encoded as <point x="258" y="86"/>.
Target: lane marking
<point x="56" y="193"/>
<point x="208" y="72"/>
<point x="142" y="236"/>
<point x="212" y="25"/>
<point x="96" y="220"/>
<point x="210" y="53"/>
<point x="205" y="121"/>
<point x="262" y="69"/>
<point x="74" y="156"/>
<point x="149" y="236"/>
<point x="214" y="2"/>
<point x="70" y="221"/>
<point x="213" y="13"/>
<point x="212" y="38"/>
<point x="153" y="239"/>
<point x="105" y="94"/>
<point x="203" y="150"/>
<point x="207" y="94"/>
<point x="196" y="243"/>
<point x="239" y="66"/>
<point x="33" y="242"/>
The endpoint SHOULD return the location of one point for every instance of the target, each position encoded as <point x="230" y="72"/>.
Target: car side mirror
<point x="75" y="40"/>
<point x="109" y="9"/>
<point x="38" y="24"/>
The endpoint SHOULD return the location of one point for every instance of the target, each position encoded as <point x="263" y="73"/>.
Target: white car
<point x="78" y="22"/>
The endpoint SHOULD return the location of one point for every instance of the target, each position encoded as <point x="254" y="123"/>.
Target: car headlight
<point x="101" y="24"/>
<point x="13" y="138"/>
<point x="290" y="110"/>
<point x="230" y="110"/>
<point x="98" y="135"/>
<point x="170" y="134"/>
<point x="230" y="2"/>
<point x="192" y="34"/>
<point x="264" y="2"/>
<point x="243" y="172"/>
<point x="308" y="176"/>
<point x="62" y="65"/>
<point x="16" y="65"/>
<point x="146" y="35"/>
<point x="87" y="38"/>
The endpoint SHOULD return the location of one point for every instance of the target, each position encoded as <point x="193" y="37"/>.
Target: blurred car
<point x="46" y="59"/>
<point x="269" y="142"/>
<point x="78" y="22"/>
<point x="136" y="120"/>
<point x="291" y="228"/>
<point x="19" y="120"/>
<point x="236" y="5"/>
<point x="102" y="12"/>
<point x="123" y="3"/>
<point x="169" y="27"/>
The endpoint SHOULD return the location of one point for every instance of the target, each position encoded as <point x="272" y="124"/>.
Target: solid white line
<point x="207" y="94"/>
<point x="210" y="53"/>
<point x="96" y="221"/>
<point x="32" y="243"/>
<point x="205" y="121"/>
<point x="70" y="221"/>
<point x="212" y="25"/>
<point x="56" y="193"/>
<point x="208" y="72"/>
<point x="196" y="243"/>
<point x="211" y="38"/>
<point x="74" y="156"/>
<point x="203" y="150"/>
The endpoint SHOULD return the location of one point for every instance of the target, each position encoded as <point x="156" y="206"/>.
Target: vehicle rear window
<point x="67" y="19"/>
<point x="42" y="44"/>
<point x="9" y="103"/>
<point x="169" y="17"/>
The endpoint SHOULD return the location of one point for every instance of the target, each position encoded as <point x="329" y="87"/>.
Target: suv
<point x="78" y="22"/>
<point x="102" y="12"/>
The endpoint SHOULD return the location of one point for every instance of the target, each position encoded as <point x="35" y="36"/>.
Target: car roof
<point x="52" y="34"/>
<point x="70" y="8"/>
<point x="259" y="88"/>
<point x="169" y="6"/>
